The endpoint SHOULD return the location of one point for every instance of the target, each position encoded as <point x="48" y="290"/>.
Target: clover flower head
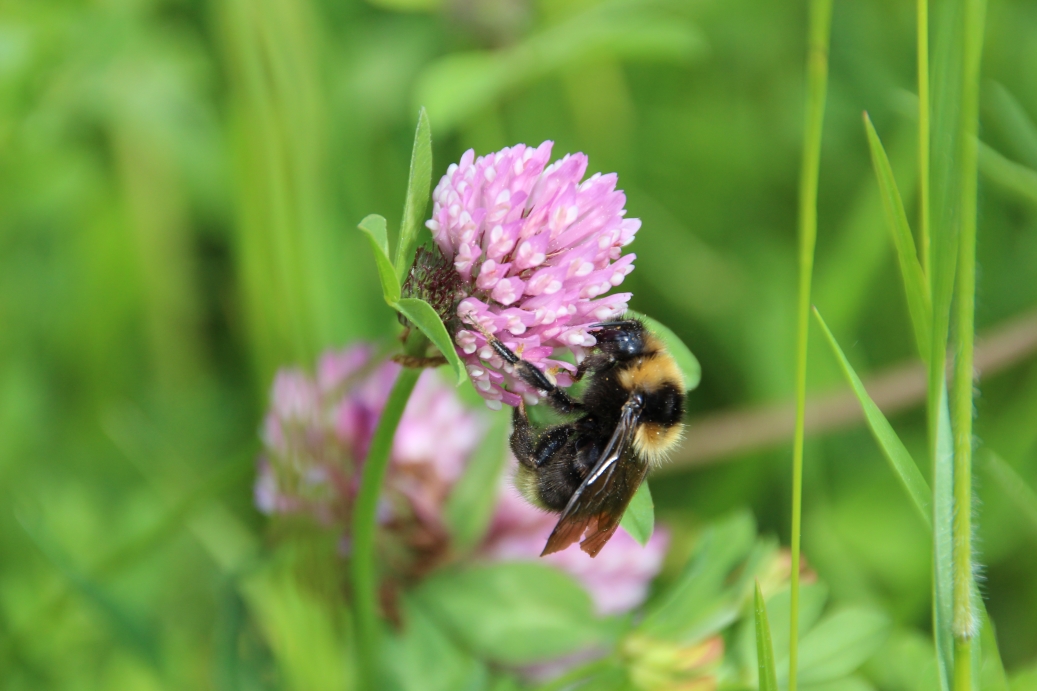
<point x="536" y="247"/>
<point x="318" y="432"/>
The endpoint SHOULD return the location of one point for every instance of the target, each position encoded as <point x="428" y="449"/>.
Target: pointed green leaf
<point x="896" y="453"/>
<point x="414" y="206"/>
<point x="470" y="504"/>
<point x="639" y="518"/>
<point x="910" y="270"/>
<point x="421" y="314"/>
<point x="764" y="649"/>
<point x="373" y="227"/>
<point x="688" y="363"/>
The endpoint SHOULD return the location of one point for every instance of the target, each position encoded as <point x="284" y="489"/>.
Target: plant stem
<point x="817" y="82"/>
<point x="965" y="622"/>
<point x="365" y="584"/>
<point x="923" y="131"/>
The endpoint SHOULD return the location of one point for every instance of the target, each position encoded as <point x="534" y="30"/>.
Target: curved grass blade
<point x="910" y="270"/>
<point x="686" y="360"/>
<point x="422" y="315"/>
<point x="373" y="226"/>
<point x="1010" y="175"/>
<point x="764" y="647"/>
<point x="896" y="453"/>
<point x="418" y="185"/>
<point x="639" y="518"/>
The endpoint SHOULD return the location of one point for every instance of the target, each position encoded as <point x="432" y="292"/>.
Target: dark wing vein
<point x="598" y="504"/>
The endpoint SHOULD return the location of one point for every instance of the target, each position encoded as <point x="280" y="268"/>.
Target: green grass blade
<point x="896" y="219"/>
<point x="639" y="518"/>
<point x="924" y="136"/>
<point x="896" y="453"/>
<point x="1009" y="175"/>
<point x="422" y="315"/>
<point x="817" y="88"/>
<point x="373" y="226"/>
<point x="470" y="504"/>
<point x="943" y="564"/>
<point x="418" y="185"/>
<point x="965" y="618"/>
<point x="764" y="648"/>
<point x="686" y="360"/>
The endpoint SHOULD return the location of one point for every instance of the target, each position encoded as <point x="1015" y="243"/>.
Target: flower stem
<point x="923" y="132"/>
<point x="817" y="83"/>
<point x="365" y="585"/>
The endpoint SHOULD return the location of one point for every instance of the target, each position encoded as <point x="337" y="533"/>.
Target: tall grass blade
<point x="418" y="185"/>
<point x="910" y="270"/>
<point x="896" y="453"/>
<point x="764" y="647"/>
<point x="924" y="127"/>
<point x="966" y="619"/>
<point x="817" y="86"/>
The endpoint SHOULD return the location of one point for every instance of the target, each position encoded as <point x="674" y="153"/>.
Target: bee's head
<point x="622" y="339"/>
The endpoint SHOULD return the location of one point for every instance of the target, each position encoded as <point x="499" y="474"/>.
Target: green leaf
<point x="764" y="649"/>
<point x="896" y="219"/>
<point x="422" y="315"/>
<point x="373" y="227"/>
<point x="418" y="184"/>
<point x="840" y="643"/>
<point x="422" y="657"/>
<point x="688" y="363"/>
<point x="706" y="595"/>
<point x="639" y="518"/>
<point x="471" y="502"/>
<point x="896" y="453"/>
<point x="513" y="613"/>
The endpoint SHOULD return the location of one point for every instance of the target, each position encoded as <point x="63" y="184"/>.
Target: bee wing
<point x="598" y="504"/>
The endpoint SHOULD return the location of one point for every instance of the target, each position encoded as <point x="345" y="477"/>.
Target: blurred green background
<point x="180" y="182"/>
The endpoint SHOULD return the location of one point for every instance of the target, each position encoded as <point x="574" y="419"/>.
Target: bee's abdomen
<point x="664" y="406"/>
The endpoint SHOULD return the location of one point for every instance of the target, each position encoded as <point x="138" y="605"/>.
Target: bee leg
<point x="595" y="362"/>
<point x="532" y="449"/>
<point x="539" y="380"/>
<point x="523" y="438"/>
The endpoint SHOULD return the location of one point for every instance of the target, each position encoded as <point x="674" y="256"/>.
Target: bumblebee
<point x="627" y="420"/>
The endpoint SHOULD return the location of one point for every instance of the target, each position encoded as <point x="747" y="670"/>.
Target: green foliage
<point x="768" y="677"/>
<point x="896" y="453"/>
<point x="514" y="613"/>
<point x="418" y="185"/>
<point x="639" y="518"/>
<point x="896" y="220"/>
